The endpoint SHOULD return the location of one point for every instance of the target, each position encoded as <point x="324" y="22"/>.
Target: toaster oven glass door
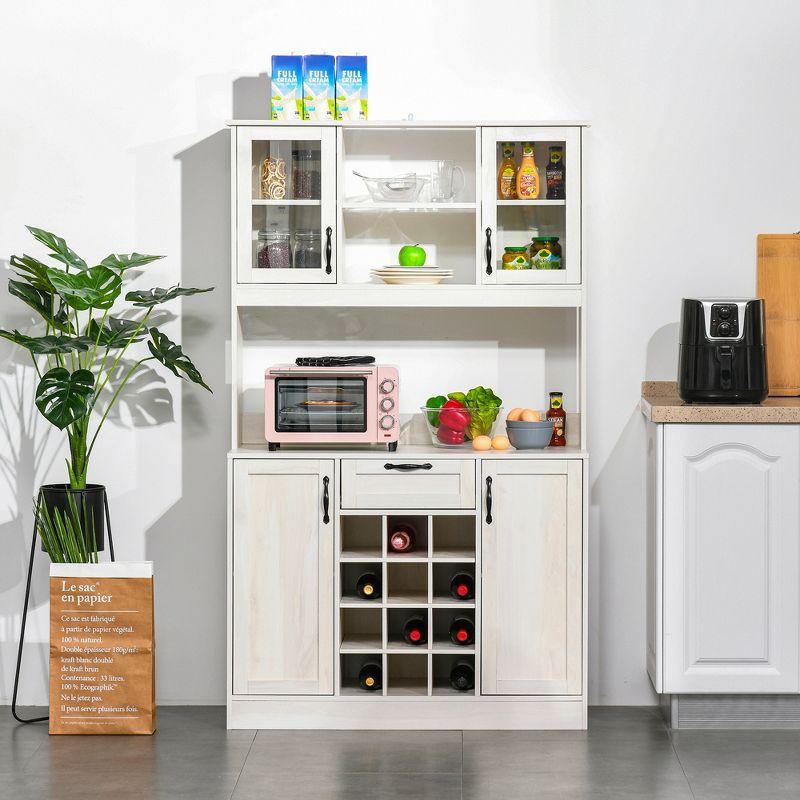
<point x="320" y="405"/>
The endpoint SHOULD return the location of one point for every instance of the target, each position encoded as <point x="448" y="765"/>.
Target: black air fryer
<point x="723" y="352"/>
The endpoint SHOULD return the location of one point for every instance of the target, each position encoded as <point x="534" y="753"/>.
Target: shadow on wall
<point x="623" y="476"/>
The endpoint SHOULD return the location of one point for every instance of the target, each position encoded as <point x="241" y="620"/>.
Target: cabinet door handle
<point x="328" y="249"/>
<point x="488" y="251"/>
<point x="408" y="467"/>
<point x="488" y="501"/>
<point x="326" y="500"/>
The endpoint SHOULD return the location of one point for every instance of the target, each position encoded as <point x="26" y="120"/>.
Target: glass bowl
<point x="454" y="427"/>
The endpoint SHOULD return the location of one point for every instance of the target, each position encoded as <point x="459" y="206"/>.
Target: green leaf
<point x="63" y="397"/>
<point x="59" y="249"/>
<point x="40" y="301"/>
<point x="153" y="297"/>
<point x="173" y="358"/>
<point x="33" y="271"/>
<point x="47" y="345"/>
<point x="123" y="261"/>
<point x="115" y="333"/>
<point x="97" y="287"/>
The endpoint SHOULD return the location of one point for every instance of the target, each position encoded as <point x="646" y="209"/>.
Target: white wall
<point x="111" y="134"/>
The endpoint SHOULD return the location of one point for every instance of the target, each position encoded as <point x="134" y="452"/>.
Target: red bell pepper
<point x="448" y="436"/>
<point x="453" y="415"/>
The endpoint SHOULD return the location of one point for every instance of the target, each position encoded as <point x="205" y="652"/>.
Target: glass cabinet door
<point x="531" y="209"/>
<point x="285" y="204"/>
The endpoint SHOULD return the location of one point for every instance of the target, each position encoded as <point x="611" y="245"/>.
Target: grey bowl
<point x="530" y="438"/>
<point x="518" y="423"/>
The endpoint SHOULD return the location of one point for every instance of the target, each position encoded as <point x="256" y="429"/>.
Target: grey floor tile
<point x="334" y="752"/>
<point x="374" y="786"/>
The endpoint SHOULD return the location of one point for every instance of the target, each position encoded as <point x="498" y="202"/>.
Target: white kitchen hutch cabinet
<point x="723" y="522"/>
<point x="305" y="523"/>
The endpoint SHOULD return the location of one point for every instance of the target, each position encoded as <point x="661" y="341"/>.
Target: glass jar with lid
<point x="273" y="250"/>
<point x="546" y="253"/>
<point x="306" y="166"/>
<point x="307" y="250"/>
<point x="516" y="258"/>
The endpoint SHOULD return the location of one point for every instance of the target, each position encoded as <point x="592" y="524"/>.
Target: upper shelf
<point x="413" y="123"/>
<point x="371" y="205"/>
<point x="366" y="295"/>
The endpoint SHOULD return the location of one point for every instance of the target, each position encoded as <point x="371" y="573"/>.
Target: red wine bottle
<point x="402" y="538"/>
<point x="462" y="631"/>
<point x="462" y="676"/>
<point x="462" y="586"/>
<point x="368" y="586"/>
<point x="370" y="676"/>
<point x="415" y="630"/>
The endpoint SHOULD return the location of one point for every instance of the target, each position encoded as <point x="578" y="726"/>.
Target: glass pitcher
<point x="447" y="180"/>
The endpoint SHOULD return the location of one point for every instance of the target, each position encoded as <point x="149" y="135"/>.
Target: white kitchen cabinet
<point x="512" y="223"/>
<point x="283" y="577"/>
<point x="532" y="577"/>
<point x="305" y="207"/>
<point x="724" y="525"/>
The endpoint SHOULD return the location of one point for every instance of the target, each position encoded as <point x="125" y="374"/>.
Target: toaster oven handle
<point x="326" y="500"/>
<point x="407" y="467"/>
<point x="323" y="371"/>
<point x="328" y="249"/>
<point x="725" y="358"/>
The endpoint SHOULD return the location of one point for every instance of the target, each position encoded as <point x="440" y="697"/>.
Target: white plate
<point x="412" y="279"/>
<point x="412" y="271"/>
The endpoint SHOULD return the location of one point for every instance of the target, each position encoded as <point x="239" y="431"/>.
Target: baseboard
<point x="734" y="712"/>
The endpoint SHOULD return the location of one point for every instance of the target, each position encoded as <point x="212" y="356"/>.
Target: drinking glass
<point x="447" y="180"/>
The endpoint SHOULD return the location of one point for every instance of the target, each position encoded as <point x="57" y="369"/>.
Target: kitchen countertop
<point x="660" y="403"/>
<point x="405" y="452"/>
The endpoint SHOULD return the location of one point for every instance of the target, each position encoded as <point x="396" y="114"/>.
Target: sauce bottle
<point x="507" y="174"/>
<point x="559" y="416"/>
<point x="555" y="173"/>
<point x="527" y="174"/>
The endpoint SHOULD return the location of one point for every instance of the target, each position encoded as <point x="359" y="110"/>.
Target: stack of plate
<point x="412" y="275"/>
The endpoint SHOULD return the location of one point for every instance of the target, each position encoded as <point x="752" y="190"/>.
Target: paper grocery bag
<point x="102" y="648"/>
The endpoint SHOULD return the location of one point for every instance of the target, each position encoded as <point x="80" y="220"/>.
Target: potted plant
<point x="81" y="367"/>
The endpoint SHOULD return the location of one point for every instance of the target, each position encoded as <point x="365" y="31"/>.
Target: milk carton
<point x="319" y="87"/>
<point x="351" y="87"/>
<point x="287" y="87"/>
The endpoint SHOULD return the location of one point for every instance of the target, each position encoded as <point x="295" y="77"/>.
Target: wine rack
<point x="416" y="582"/>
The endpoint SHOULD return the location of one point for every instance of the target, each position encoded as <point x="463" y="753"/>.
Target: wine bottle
<point x="462" y="676"/>
<point x="462" y="631"/>
<point x="370" y="676"/>
<point x="402" y="538"/>
<point x="462" y="586"/>
<point x="415" y="630"/>
<point x="368" y="586"/>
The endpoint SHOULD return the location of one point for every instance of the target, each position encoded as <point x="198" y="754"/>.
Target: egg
<point x="500" y="442"/>
<point x="529" y="415"/>
<point x="482" y="443"/>
<point x="514" y="414"/>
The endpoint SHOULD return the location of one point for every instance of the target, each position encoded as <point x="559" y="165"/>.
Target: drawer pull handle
<point x="488" y="501"/>
<point x="408" y="467"/>
<point x="326" y="500"/>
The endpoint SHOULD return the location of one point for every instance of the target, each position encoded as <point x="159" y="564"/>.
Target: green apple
<point x="411" y="255"/>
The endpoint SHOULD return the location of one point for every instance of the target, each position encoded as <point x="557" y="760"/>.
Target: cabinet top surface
<point x="661" y="403"/>
<point x="411" y="123"/>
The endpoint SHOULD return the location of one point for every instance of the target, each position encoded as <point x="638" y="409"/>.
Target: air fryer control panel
<point x="725" y="320"/>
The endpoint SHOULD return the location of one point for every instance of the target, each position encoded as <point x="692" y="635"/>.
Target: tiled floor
<point x="627" y="753"/>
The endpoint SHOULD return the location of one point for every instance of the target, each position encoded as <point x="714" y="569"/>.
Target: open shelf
<point x="361" y="538"/>
<point x="442" y="576"/>
<point x="361" y="630"/>
<point x="454" y="538"/>
<point x="382" y="207"/>
<point x="442" y="619"/>
<point x="407" y="675"/>
<point x="419" y="524"/>
<point x="395" y="620"/>
<point x="441" y="669"/>
<point x="350" y="572"/>
<point x="350" y="666"/>
<point x="407" y="584"/>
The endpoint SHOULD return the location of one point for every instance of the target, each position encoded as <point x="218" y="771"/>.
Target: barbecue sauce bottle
<point x="559" y="416"/>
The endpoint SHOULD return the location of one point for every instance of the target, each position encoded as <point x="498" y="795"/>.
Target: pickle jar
<point x="516" y="258"/>
<point x="546" y="253"/>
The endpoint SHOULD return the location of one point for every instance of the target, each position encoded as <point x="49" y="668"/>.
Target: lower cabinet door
<point x="731" y="528"/>
<point x="531" y="623"/>
<point x="283" y="576"/>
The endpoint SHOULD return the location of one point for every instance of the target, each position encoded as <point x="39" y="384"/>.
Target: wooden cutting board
<point x="778" y="283"/>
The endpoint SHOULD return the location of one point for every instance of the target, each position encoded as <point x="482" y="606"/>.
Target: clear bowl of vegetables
<point x="456" y="419"/>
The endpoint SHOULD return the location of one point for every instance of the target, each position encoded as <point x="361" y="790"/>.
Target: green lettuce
<point x="484" y="407"/>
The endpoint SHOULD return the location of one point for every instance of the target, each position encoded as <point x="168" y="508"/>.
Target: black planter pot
<point x="90" y="502"/>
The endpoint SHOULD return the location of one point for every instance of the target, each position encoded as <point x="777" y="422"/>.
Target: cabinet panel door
<point x="282" y="577"/>
<point x="731" y="527"/>
<point x="531" y="578"/>
<point x="513" y="223"/>
<point x="286" y="202"/>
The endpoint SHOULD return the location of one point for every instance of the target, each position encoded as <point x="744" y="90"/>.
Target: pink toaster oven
<point x="331" y="405"/>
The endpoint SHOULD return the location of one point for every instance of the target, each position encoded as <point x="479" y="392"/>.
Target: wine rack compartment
<point x="396" y="609"/>
<point x="363" y="674"/>
<point x="453" y="675"/>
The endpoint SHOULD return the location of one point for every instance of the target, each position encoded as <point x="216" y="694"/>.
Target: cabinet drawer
<point x="408" y="483"/>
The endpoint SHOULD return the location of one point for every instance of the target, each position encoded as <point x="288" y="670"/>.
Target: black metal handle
<point x="488" y="251"/>
<point x="328" y="249"/>
<point x="488" y="501"/>
<point x="407" y="467"/>
<point x="326" y="500"/>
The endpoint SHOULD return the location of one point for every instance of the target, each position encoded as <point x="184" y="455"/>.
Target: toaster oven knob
<point x="387" y="404"/>
<point x="724" y="312"/>
<point x="386" y="386"/>
<point x="724" y="329"/>
<point x="387" y="422"/>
